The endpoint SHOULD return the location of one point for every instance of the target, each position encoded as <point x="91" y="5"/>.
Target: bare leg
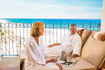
<point x="60" y="66"/>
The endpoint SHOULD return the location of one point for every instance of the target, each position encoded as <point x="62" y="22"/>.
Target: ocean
<point x="91" y="24"/>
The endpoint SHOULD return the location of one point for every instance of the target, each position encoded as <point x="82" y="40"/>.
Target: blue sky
<point x="75" y="9"/>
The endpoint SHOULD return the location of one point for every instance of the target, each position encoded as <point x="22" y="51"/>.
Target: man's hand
<point x="55" y="44"/>
<point x="74" y="56"/>
<point x="50" y="45"/>
<point x="54" y="60"/>
<point x="51" y="60"/>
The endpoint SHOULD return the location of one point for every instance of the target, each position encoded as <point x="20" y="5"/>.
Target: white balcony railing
<point x="13" y="36"/>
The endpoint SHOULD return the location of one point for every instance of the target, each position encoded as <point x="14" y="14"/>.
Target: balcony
<point x="13" y="36"/>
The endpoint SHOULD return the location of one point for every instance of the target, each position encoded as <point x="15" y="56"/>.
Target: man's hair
<point x="73" y="25"/>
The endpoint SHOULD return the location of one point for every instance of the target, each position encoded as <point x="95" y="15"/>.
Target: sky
<point x="69" y="9"/>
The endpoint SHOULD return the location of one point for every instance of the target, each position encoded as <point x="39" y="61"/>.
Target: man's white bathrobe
<point x="71" y="43"/>
<point x="35" y="56"/>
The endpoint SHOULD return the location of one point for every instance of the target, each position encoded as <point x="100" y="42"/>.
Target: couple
<point x="35" y="55"/>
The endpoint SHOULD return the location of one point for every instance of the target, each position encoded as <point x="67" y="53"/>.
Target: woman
<point x="35" y="56"/>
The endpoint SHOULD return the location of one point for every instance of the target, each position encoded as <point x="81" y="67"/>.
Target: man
<point x="71" y="42"/>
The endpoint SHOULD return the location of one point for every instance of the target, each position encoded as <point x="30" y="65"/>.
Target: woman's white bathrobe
<point x="35" y="56"/>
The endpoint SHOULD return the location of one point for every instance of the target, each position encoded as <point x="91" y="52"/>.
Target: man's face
<point x="72" y="29"/>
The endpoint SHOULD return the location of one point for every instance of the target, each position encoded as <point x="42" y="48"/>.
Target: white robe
<point x="71" y="43"/>
<point x="35" y="56"/>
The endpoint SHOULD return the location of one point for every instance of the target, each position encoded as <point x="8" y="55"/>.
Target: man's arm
<point x="51" y="60"/>
<point x="55" y="44"/>
<point x="77" y="48"/>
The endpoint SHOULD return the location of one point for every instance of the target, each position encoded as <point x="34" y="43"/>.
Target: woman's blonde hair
<point x="35" y="29"/>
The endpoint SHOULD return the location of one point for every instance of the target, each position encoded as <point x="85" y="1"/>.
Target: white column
<point x="103" y="17"/>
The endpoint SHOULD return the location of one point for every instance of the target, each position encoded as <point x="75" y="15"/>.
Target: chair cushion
<point x="81" y="64"/>
<point x="94" y="51"/>
<point x="84" y="36"/>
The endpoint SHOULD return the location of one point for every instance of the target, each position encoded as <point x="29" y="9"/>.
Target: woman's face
<point x="41" y="30"/>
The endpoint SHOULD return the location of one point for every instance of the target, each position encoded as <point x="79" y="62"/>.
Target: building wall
<point x="103" y="17"/>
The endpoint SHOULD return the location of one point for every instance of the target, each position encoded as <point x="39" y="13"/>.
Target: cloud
<point x="46" y="9"/>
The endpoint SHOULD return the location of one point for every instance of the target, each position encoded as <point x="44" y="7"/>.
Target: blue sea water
<point x="85" y="23"/>
<point x="56" y="21"/>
